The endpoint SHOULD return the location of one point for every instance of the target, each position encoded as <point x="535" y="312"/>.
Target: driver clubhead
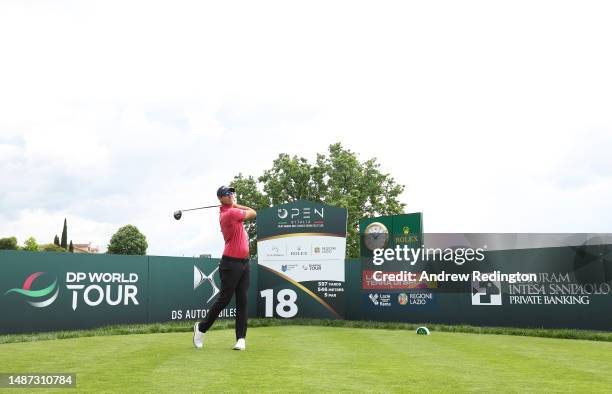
<point x="178" y="214"/>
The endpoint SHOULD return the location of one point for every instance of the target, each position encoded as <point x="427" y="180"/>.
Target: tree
<point x="51" y="248"/>
<point x="338" y="178"/>
<point x="70" y="247"/>
<point x="30" y="244"/>
<point x="248" y="194"/>
<point x="128" y="240"/>
<point x="56" y="240"/>
<point x="9" y="243"/>
<point x="64" y="243"/>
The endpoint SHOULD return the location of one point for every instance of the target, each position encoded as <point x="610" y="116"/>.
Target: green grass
<point x="185" y="326"/>
<point x="301" y="358"/>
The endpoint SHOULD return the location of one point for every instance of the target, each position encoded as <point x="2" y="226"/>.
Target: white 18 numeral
<point x="286" y="299"/>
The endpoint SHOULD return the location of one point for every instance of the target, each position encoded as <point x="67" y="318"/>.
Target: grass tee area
<point x="315" y="358"/>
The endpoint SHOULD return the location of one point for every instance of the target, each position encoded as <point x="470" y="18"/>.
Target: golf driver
<point x="178" y="214"/>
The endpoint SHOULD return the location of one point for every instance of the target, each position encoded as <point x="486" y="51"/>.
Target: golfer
<point x="233" y="268"/>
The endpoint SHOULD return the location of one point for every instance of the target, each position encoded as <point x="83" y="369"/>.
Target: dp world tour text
<point x="94" y="288"/>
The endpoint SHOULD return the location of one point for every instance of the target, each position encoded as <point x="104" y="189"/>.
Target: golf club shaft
<point x="193" y="209"/>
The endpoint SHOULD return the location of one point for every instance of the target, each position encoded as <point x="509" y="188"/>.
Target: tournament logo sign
<point x="199" y="278"/>
<point x="486" y="293"/>
<point x="301" y="248"/>
<point x="388" y="232"/>
<point x="27" y="291"/>
<point x="379" y="300"/>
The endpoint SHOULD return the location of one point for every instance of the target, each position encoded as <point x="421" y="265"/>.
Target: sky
<point x="496" y="116"/>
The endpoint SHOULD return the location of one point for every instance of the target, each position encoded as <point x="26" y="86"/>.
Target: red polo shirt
<point x="234" y="234"/>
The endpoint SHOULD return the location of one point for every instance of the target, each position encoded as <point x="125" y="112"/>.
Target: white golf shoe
<point x="240" y="344"/>
<point x="198" y="337"/>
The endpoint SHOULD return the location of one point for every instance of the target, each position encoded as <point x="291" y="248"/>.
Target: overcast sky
<point x="497" y="116"/>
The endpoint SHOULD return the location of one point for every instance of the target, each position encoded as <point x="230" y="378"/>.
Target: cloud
<point x="44" y="225"/>
<point x="495" y="116"/>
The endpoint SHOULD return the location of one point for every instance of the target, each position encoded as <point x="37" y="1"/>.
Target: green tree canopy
<point x="30" y="244"/>
<point x="56" y="240"/>
<point x="9" y="243"/>
<point x="128" y="240"/>
<point x="337" y="178"/>
<point x="51" y="248"/>
<point x="64" y="243"/>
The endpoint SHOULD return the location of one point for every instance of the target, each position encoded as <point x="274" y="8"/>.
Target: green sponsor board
<point x="570" y="287"/>
<point x="185" y="289"/>
<point x="59" y="291"/>
<point x="301" y="251"/>
<point x="353" y="292"/>
<point x="386" y="232"/>
<point x="376" y="235"/>
<point x="56" y="291"/>
<point x="495" y="280"/>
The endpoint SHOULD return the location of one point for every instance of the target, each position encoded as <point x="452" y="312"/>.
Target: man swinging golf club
<point x="233" y="268"/>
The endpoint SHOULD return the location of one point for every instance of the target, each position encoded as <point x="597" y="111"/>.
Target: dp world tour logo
<point x="199" y="278"/>
<point x="37" y="294"/>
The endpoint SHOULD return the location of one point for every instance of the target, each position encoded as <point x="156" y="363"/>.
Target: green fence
<point x="567" y="286"/>
<point x="55" y="291"/>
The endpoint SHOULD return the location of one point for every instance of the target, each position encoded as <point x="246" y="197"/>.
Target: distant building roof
<point x="85" y="248"/>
